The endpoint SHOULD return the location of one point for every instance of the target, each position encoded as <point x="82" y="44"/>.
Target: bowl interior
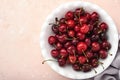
<point x="59" y="12"/>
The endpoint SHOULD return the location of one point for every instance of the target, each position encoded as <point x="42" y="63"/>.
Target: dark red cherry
<point x="77" y="28"/>
<point x="88" y="41"/>
<point x="80" y="36"/>
<point x="62" y="20"/>
<point x="83" y="20"/>
<point x="89" y="54"/>
<point x="62" y="28"/>
<point x="52" y="40"/>
<point x="70" y="23"/>
<point x="87" y="15"/>
<point x="58" y="46"/>
<point x="79" y="11"/>
<point x="67" y="44"/>
<point x="61" y="62"/>
<point x="103" y="36"/>
<point x="94" y="16"/>
<point x="71" y="50"/>
<point x="74" y="41"/>
<point x="86" y="67"/>
<point x="95" y="46"/>
<point x="103" y="54"/>
<point x="84" y="29"/>
<point x="63" y="52"/>
<point x="106" y="45"/>
<point x="62" y="38"/>
<point x="94" y="63"/>
<point x="76" y="67"/>
<point x="55" y="53"/>
<point x="69" y="15"/>
<point x="103" y="26"/>
<point x="95" y="37"/>
<point x="55" y="29"/>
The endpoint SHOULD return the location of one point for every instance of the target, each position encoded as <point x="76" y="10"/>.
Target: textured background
<point x="20" y="24"/>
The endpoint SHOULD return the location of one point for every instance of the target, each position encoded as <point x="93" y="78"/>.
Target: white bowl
<point x="46" y="32"/>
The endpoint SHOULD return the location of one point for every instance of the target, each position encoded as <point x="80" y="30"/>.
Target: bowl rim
<point x="67" y="3"/>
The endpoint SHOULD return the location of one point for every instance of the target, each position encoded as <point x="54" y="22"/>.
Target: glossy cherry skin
<point x="62" y="20"/>
<point x="94" y="63"/>
<point x="63" y="52"/>
<point x="89" y="54"/>
<point x="103" y="54"/>
<point x="67" y="44"/>
<point x="52" y="40"/>
<point x="71" y="24"/>
<point x="81" y="46"/>
<point x="82" y="59"/>
<point x="106" y="45"/>
<point x="95" y="46"/>
<point x="84" y="29"/>
<point x="83" y="20"/>
<point x="69" y="15"/>
<point x="86" y="67"/>
<point x="58" y="46"/>
<point x="77" y="28"/>
<point x="94" y="16"/>
<point x="80" y="36"/>
<point x="71" y="50"/>
<point x="76" y="67"/>
<point x="62" y="38"/>
<point x="55" y="53"/>
<point x="62" y="28"/>
<point x="103" y="26"/>
<point x="61" y="62"/>
<point x="72" y="59"/>
<point x="88" y="41"/>
<point x="75" y="41"/>
<point x="71" y="33"/>
<point x="55" y="29"/>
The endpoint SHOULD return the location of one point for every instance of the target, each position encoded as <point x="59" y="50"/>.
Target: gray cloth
<point x="113" y="72"/>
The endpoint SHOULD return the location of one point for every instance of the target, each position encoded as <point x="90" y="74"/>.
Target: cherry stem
<point x="69" y="38"/>
<point x="85" y="55"/>
<point x="99" y="31"/>
<point x="95" y="71"/>
<point x="110" y="54"/>
<point x="48" y="60"/>
<point x="101" y="64"/>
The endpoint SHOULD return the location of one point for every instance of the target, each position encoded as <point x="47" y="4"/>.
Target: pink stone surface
<point x="20" y="24"/>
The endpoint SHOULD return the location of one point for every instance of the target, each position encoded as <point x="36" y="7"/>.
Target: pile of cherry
<point x="79" y="40"/>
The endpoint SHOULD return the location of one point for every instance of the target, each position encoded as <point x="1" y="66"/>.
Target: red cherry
<point x="80" y="36"/>
<point x="82" y="60"/>
<point x="84" y="29"/>
<point x="67" y="44"/>
<point x="106" y="45"/>
<point x="62" y="20"/>
<point x="63" y="28"/>
<point x="94" y="16"/>
<point x="72" y="59"/>
<point x="103" y="54"/>
<point x="77" y="28"/>
<point x="79" y="11"/>
<point x="86" y="67"/>
<point x="94" y="63"/>
<point x="55" y="29"/>
<point x="52" y="40"/>
<point x="54" y="53"/>
<point x="83" y="20"/>
<point x="61" y="62"/>
<point x="71" y="50"/>
<point x="87" y="15"/>
<point x="103" y="26"/>
<point x="88" y="41"/>
<point x="95" y="46"/>
<point x="81" y="46"/>
<point x="69" y="15"/>
<point x="74" y="41"/>
<point x="71" y="24"/>
<point x="71" y="33"/>
<point x="58" y="46"/>
<point x="76" y="67"/>
<point x="62" y="38"/>
<point x="63" y="52"/>
<point x="89" y="54"/>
